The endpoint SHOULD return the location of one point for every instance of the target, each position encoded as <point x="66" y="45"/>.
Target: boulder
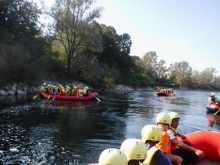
<point x="3" y="93"/>
<point x="11" y="92"/>
<point x="19" y="92"/>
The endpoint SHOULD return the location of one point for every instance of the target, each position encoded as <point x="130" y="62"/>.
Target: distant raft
<point x="212" y="107"/>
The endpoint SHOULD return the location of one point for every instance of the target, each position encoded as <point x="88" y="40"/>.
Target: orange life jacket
<point x="173" y="146"/>
<point x="74" y="92"/>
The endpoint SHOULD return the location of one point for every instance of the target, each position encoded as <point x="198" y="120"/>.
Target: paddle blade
<point x="35" y="96"/>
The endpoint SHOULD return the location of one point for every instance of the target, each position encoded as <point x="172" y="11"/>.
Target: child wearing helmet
<point x="151" y="136"/>
<point x="74" y="91"/>
<point x="211" y="99"/>
<point x="67" y="90"/>
<point x="112" y="156"/>
<point x="184" y="150"/>
<point x="135" y="151"/>
<point x="80" y="91"/>
<point x="85" y="91"/>
<point x="163" y="120"/>
<point x="62" y="90"/>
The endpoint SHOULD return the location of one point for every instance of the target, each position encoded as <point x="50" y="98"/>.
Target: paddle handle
<point x="96" y="97"/>
<point x="216" y="112"/>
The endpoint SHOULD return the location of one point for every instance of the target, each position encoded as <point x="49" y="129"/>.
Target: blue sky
<point x="178" y="30"/>
<point x="182" y="30"/>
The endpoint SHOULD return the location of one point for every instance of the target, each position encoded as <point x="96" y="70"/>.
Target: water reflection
<point x="36" y="131"/>
<point x="213" y="121"/>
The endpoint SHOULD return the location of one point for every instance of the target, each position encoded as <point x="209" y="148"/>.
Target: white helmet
<point x="134" y="149"/>
<point x="112" y="156"/>
<point x="163" y="118"/>
<point x="151" y="133"/>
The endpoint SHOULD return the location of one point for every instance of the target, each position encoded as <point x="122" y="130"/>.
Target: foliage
<point x="18" y="19"/>
<point x="88" y="51"/>
<point x="74" y="28"/>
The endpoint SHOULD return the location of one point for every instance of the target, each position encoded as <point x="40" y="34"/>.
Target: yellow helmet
<point x="134" y="149"/>
<point x="112" y="156"/>
<point x="163" y="118"/>
<point x="151" y="133"/>
<point x="213" y="94"/>
<point x="174" y="115"/>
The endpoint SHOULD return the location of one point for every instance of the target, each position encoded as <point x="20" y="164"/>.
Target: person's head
<point x="150" y="133"/>
<point x="163" y="121"/>
<point x="135" y="150"/>
<point x="213" y="94"/>
<point x="74" y="87"/>
<point x="112" y="156"/>
<point x="175" y="117"/>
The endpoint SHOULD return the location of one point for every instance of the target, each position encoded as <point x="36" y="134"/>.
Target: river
<point x="39" y="131"/>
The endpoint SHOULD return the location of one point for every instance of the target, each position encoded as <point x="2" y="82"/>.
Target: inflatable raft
<point x="212" y="107"/>
<point x="91" y="96"/>
<point x="209" y="143"/>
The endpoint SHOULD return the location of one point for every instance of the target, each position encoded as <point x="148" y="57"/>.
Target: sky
<point x="177" y="30"/>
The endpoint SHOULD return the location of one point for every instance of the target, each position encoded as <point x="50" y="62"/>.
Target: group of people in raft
<point x="168" y="91"/>
<point x="159" y="146"/>
<point x="65" y="91"/>
<point x="214" y="100"/>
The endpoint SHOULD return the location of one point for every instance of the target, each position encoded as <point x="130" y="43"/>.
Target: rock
<point x="11" y="92"/>
<point x="3" y="93"/>
<point x="20" y="92"/>
<point x="14" y="87"/>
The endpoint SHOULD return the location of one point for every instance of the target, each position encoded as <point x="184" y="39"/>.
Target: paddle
<point x="54" y="95"/>
<point x="48" y="97"/>
<point x="216" y="112"/>
<point x="35" y="96"/>
<point x="96" y="97"/>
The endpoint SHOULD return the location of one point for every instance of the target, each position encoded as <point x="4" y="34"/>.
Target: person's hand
<point x="199" y="152"/>
<point x="183" y="136"/>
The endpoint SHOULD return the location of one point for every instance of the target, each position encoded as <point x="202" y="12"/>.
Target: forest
<point x="73" y="46"/>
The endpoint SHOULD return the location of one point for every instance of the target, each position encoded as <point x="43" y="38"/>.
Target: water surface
<point x="40" y="131"/>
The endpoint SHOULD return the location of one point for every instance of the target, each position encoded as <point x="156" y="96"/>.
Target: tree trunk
<point x="68" y="65"/>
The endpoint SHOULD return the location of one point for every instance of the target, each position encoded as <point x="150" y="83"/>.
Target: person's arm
<point x="174" y="158"/>
<point x="180" y="135"/>
<point x="186" y="147"/>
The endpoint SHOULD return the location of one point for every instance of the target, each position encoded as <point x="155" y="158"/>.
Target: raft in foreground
<point x="208" y="142"/>
<point x="91" y="96"/>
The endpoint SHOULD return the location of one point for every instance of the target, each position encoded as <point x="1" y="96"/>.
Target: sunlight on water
<point x="63" y="132"/>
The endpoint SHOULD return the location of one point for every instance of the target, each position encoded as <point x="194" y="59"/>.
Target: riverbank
<point x="21" y="89"/>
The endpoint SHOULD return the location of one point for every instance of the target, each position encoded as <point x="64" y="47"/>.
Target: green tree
<point x="18" y="19"/>
<point x="154" y="68"/>
<point x="180" y="73"/>
<point x="74" y="27"/>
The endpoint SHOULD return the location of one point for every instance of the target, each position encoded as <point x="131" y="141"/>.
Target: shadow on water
<point x="40" y="131"/>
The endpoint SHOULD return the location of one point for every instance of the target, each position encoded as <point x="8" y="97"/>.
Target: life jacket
<point x="80" y="91"/>
<point x="62" y="91"/>
<point x="85" y="91"/>
<point x="150" y="154"/>
<point x="173" y="146"/>
<point x="74" y="92"/>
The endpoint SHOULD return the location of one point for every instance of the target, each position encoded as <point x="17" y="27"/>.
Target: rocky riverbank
<point x="19" y="89"/>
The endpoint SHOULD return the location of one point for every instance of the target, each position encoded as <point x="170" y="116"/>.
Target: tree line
<point x="73" y="46"/>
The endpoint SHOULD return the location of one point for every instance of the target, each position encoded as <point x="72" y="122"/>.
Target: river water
<point x="45" y="132"/>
